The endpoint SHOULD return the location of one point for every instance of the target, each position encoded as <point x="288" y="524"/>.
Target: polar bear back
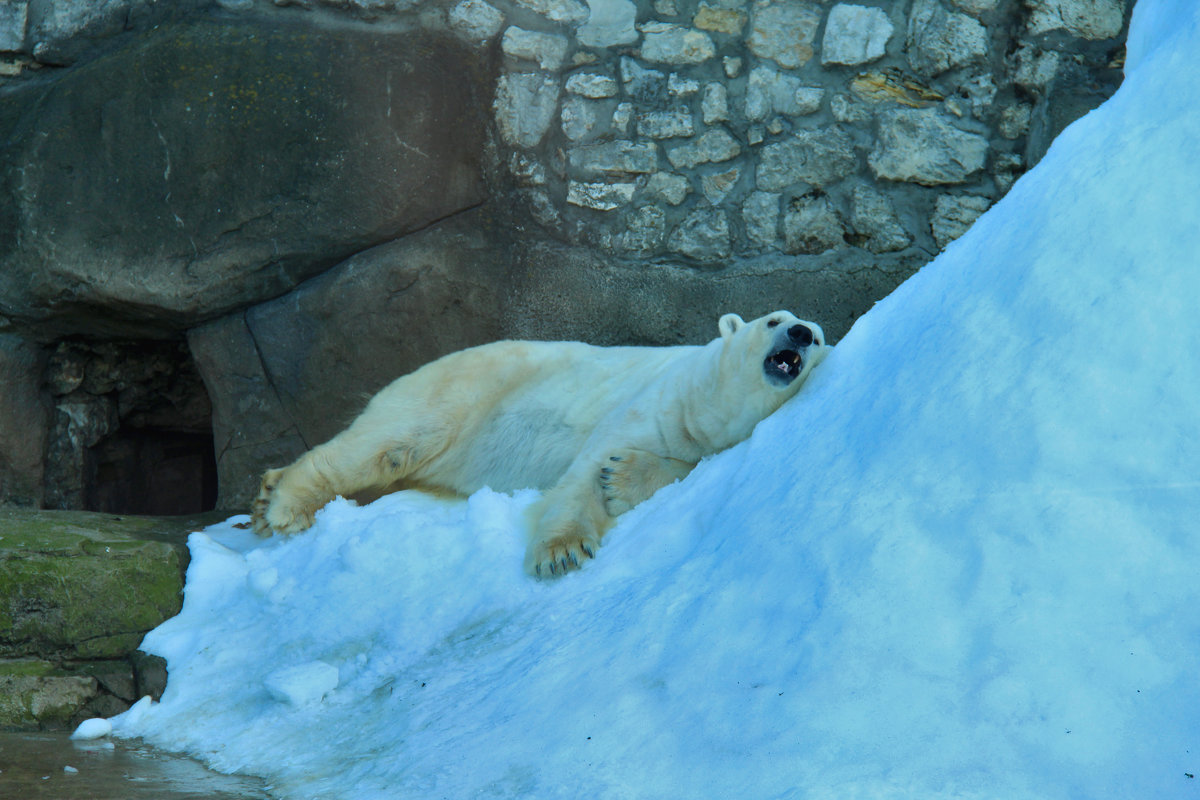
<point x="524" y="414"/>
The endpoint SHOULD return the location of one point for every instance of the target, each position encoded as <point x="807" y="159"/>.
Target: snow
<point x="961" y="563"/>
<point x="92" y="729"/>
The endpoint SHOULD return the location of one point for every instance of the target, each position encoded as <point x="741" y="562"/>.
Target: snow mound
<point x="960" y="564"/>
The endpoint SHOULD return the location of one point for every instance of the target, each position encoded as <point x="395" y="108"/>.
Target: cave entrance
<point x="153" y="471"/>
<point x="132" y="430"/>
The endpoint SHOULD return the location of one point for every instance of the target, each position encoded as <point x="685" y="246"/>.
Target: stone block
<point x="1087" y="19"/>
<point x="939" y="40"/>
<point x="760" y="214"/>
<point x="664" y="43"/>
<point x="874" y="221"/>
<point x="816" y="157"/>
<point x="855" y="35"/>
<point x="812" y="226"/>
<point x="703" y="235"/>
<point x="616" y="158"/>
<point x="547" y="49"/>
<point x="609" y="23"/>
<point x="476" y="20"/>
<point x="975" y="7"/>
<point x="642" y="84"/>
<point x="666" y="124"/>
<point x="669" y="187"/>
<point x="714" y="106"/>
<point x="566" y="11"/>
<point x="646" y="232"/>
<point x="923" y="146"/>
<point x="600" y="196"/>
<point x="14" y="17"/>
<point x="769" y="91"/>
<point x="592" y="85"/>
<point x="954" y="214"/>
<point x="784" y="31"/>
<point x="526" y="103"/>
<point x="713" y="146"/>
<point x="719" y="19"/>
<point x="716" y="186"/>
<point x="580" y="117"/>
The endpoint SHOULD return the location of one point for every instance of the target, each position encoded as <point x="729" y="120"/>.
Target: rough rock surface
<point x="24" y="423"/>
<point x="229" y="160"/>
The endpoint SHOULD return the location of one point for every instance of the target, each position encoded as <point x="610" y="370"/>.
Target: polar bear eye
<point x="771" y="323"/>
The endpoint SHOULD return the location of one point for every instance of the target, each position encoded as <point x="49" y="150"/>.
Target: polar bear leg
<point x="567" y="526"/>
<point x="631" y="476"/>
<point x="354" y="461"/>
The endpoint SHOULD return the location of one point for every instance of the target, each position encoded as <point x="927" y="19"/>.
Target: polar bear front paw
<point x="271" y="513"/>
<point x="561" y="554"/>
<point x="632" y="476"/>
<point x="258" y="509"/>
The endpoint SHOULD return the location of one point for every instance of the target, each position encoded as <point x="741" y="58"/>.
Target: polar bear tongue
<point x="785" y="361"/>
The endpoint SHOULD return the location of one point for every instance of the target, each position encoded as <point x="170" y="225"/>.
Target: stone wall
<point x="701" y="130"/>
<point x="299" y="200"/>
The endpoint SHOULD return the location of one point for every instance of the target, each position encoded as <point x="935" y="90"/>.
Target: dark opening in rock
<point x="132" y="429"/>
<point x="153" y="472"/>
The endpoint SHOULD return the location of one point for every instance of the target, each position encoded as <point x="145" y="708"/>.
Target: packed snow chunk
<point x="94" y="728"/>
<point x="302" y="684"/>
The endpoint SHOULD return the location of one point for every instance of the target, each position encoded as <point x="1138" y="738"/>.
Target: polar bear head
<point x="780" y="349"/>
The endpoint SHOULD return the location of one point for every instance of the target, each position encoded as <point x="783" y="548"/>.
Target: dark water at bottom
<point x="33" y="766"/>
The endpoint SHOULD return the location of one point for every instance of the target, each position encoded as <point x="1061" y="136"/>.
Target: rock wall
<point x="320" y="195"/>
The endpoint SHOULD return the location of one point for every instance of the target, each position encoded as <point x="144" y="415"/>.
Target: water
<point x="34" y="766"/>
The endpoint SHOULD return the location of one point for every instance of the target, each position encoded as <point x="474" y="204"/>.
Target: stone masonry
<point x="701" y="130"/>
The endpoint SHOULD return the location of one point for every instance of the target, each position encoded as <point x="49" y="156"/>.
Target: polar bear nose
<point x="801" y="335"/>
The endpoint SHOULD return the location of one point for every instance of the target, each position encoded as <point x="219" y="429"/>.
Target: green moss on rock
<point x="39" y="694"/>
<point x="83" y="585"/>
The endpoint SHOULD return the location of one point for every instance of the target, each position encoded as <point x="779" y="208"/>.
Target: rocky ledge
<point x="78" y="591"/>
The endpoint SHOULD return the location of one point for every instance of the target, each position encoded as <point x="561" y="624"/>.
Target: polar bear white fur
<point x="599" y="429"/>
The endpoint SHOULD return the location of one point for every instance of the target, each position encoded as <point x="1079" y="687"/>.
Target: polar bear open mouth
<point x="783" y="365"/>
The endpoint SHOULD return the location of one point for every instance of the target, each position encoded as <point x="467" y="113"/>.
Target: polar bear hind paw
<point x="561" y="554"/>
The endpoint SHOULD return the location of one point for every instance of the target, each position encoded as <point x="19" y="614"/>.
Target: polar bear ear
<point x="729" y="325"/>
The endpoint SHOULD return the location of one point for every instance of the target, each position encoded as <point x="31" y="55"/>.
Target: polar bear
<point x="598" y="429"/>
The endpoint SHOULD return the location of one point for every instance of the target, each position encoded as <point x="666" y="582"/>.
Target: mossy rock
<point x="38" y="694"/>
<point x="78" y="585"/>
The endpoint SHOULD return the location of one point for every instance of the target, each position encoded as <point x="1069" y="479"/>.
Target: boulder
<point x="38" y="694"/>
<point x="216" y="162"/>
<point x="923" y="146"/>
<point x="78" y="585"/>
<point x="78" y="591"/>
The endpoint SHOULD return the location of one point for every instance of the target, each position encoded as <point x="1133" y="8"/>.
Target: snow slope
<point x="962" y="563"/>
